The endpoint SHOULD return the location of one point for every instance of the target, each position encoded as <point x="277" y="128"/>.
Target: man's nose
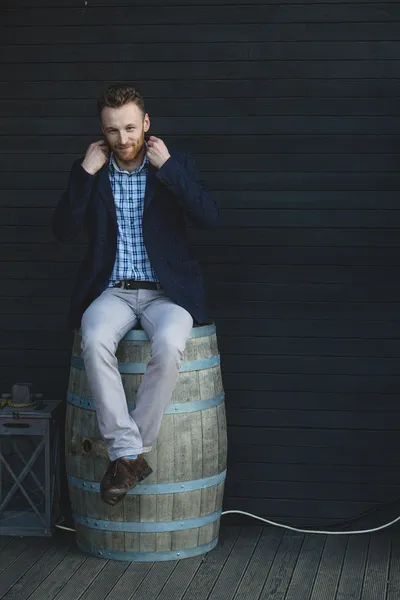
<point x="123" y="138"/>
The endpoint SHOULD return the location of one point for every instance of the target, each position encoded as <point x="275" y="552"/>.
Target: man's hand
<point x="96" y="156"/>
<point x="157" y="152"/>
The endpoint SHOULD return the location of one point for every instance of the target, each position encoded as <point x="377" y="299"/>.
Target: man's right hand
<point x="96" y="156"/>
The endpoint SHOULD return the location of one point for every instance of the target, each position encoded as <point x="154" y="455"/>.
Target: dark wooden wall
<point x="293" y="111"/>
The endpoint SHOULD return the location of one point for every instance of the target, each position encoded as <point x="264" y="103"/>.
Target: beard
<point x="129" y="152"/>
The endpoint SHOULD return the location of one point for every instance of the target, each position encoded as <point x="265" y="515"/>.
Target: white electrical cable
<point x="65" y="528"/>
<point x="240" y="512"/>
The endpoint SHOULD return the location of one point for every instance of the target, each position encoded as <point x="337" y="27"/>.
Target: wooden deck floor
<point x="249" y="563"/>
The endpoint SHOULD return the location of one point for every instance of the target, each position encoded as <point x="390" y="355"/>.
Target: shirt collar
<point x="113" y="166"/>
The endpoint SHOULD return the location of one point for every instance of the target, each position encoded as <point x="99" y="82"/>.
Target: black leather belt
<point x="134" y="284"/>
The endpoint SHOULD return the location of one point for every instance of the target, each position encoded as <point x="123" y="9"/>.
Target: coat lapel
<point x="150" y="185"/>
<point x="105" y="191"/>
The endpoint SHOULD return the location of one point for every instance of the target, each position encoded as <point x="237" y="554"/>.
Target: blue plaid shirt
<point x="132" y="261"/>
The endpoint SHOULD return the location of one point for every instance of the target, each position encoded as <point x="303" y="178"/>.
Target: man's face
<point x="124" y="130"/>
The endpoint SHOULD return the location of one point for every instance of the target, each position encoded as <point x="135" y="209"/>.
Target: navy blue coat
<point x="174" y="194"/>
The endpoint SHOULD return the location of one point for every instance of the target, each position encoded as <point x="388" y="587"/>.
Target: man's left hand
<point x="157" y="152"/>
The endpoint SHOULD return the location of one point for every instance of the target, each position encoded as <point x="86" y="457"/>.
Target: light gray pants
<point x="104" y="324"/>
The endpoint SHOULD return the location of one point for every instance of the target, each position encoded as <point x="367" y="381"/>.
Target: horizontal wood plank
<point x="372" y="88"/>
<point x="172" y="51"/>
<point x="351" y="69"/>
<point x="314" y="13"/>
<point x="69" y="147"/>
<point x="254" y="161"/>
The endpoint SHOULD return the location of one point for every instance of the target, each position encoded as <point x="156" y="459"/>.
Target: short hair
<point x="117" y="95"/>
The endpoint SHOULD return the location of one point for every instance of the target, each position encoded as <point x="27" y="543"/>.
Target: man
<point x="132" y="198"/>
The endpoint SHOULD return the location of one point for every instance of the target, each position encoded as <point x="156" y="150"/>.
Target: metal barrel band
<point x="155" y="488"/>
<point x="140" y="368"/>
<point x="181" y="407"/>
<point x="197" y="332"/>
<point x="148" y="556"/>
<point x="146" y="526"/>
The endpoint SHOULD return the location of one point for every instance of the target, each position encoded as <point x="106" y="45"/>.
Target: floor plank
<point x="352" y="576"/>
<point x="154" y="581"/>
<point x="4" y="541"/>
<point x="260" y="564"/>
<point x="394" y="570"/>
<point x="26" y="559"/>
<point x="234" y="568"/>
<point x="59" y="577"/>
<point x="330" y="568"/>
<point x="129" y="582"/>
<point x="105" y="580"/>
<point x="282" y="568"/>
<point x="82" y="578"/>
<point x="180" y="579"/>
<point x="31" y="580"/>
<point x="12" y="550"/>
<point x="208" y="572"/>
<point x="306" y="568"/>
<point x="377" y="571"/>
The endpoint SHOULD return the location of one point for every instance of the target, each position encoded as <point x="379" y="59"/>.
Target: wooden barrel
<point x="174" y="513"/>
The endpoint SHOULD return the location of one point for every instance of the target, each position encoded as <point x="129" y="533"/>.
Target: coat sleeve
<point x="69" y="215"/>
<point x="184" y="181"/>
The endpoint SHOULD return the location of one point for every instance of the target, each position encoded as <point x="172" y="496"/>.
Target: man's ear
<point x="146" y="124"/>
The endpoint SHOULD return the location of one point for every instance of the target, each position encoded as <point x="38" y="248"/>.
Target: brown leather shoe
<point x="121" y="476"/>
<point x="107" y="482"/>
